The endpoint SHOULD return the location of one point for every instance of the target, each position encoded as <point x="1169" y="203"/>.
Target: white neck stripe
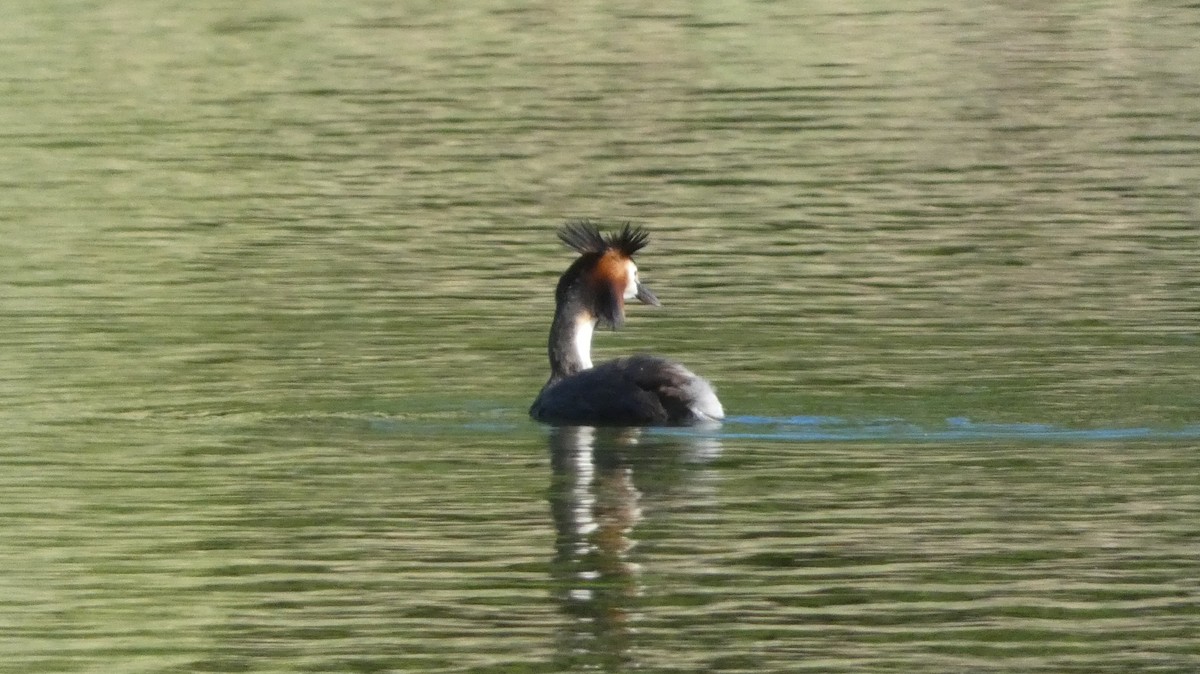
<point x="584" y="326"/>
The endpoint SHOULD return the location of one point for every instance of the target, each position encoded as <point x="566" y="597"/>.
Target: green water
<point x="276" y="280"/>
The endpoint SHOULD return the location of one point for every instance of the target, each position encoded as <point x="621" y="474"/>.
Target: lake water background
<point x="276" y="281"/>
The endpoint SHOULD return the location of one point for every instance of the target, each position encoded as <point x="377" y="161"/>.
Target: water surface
<point x="275" y="290"/>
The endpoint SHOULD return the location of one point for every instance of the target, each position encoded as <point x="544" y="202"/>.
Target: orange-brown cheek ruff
<point x="609" y="279"/>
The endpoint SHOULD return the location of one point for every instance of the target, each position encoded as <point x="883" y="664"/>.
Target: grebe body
<point x="635" y="390"/>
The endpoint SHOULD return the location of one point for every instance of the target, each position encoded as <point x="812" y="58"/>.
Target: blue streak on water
<point x="817" y="428"/>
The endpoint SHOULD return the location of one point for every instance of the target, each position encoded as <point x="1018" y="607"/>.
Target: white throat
<point x="584" y="327"/>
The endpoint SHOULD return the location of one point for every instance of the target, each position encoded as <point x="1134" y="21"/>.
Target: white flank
<point x="704" y="402"/>
<point x="701" y="398"/>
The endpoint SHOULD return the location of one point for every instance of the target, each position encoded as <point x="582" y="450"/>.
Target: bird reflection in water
<point x="596" y="504"/>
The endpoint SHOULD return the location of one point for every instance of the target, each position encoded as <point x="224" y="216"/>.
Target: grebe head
<point x="605" y="275"/>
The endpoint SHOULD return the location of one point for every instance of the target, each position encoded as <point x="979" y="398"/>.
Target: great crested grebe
<point x="636" y="390"/>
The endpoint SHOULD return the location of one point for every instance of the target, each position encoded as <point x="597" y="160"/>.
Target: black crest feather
<point x="584" y="237"/>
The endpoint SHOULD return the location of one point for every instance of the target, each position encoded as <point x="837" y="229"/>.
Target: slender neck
<point x="570" y="344"/>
